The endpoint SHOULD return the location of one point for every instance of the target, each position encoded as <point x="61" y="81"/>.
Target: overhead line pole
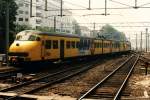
<point x="61" y="8"/>
<point x="7" y="31"/>
<point x="105" y="7"/>
<point x="146" y="39"/>
<point x="94" y="26"/>
<point x="89" y="5"/>
<point x="54" y="23"/>
<point x="136" y="42"/>
<point x="31" y="8"/>
<point x="148" y="42"/>
<point x="141" y="42"/>
<point x="46" y="5"/>
<point x="135" y="3"/>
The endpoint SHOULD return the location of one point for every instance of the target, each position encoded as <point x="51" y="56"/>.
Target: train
<point x="35" y="46"/>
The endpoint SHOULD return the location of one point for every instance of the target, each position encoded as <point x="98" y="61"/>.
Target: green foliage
<point x="22" y="27"/>
<point x="76" y="27"/>
<point x="109" y="32"/>
<point x="108" y="29"/>
<point x="12" y="18"/>
<point x="45" y="29"/>
<point x="12" y="13"/>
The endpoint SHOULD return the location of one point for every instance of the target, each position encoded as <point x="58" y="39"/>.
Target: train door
<point x="92" y="48"/>
<point x="110" y="46"/>
<point x="42" y="49"/>
<point x="102" y="46"/>
<point x="61" y="49"/>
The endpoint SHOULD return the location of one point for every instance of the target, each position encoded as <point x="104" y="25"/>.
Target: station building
<point x="39" y="17"/>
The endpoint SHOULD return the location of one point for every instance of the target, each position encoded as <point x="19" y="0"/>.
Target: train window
<point x="68" y="44"/>
<point x="97" y="45"/>
<point x="86" y="43"/>
<point x="55" y="44"/>
<point x="38" y="39"/>
<point x="101" y="45"/>
<point x="89" y="42"/>
<point x="77" y="44"/>
<point x="94" y="45"/>
<point x="73" y="44"/>
<point x="18" y="37"/>
<point x="48" y="44"/>
<point x="32" y="38"/>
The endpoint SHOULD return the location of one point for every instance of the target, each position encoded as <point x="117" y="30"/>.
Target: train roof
<point x="63" y="35"/>
<point x="53" y="34"/>
<point x="59" y="34"/>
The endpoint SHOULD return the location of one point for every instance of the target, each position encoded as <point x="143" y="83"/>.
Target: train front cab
<point x="25" y="48"/>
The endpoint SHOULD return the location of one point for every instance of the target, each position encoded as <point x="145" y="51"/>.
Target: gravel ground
<point x="138" y="87"/>
<point x="6" y="68"/>
<point x="78" y="85"/>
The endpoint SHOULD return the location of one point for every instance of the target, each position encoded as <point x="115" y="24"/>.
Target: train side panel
<point x="106" y="47"/>
<point x="71" y="47"/>
<point x="98" y="46"/>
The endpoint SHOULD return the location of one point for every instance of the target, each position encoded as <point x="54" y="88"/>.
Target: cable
<point x="120" y="3"/>
<point x="144" y="4"/>
<point x="75" y="4"/>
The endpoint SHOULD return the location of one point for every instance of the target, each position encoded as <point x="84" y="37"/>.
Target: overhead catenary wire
<point x="128" y="6"/>
<point x="73" y="4"/>
<point x="121" y="3"/>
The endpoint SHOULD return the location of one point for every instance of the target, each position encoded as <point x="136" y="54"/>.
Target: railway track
<point x="42" y="82"/>
<point x="112" y="85"/>
<point x="144" y="59"/>
<point x="28" y="74"/>
<point x="4" y="75"/>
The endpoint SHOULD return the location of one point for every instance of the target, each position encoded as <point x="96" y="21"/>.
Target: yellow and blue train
<point x="33" y="46"/>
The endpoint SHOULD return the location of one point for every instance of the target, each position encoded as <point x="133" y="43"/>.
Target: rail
<point x="102" y="82"/>
<point x="51" y="79"/>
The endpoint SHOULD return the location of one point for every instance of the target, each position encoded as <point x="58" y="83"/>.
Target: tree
<point x="76" y="28"/>
<point x="12" y="15"/>
<point x="19" y="28"/>
<point x="45" y="29"/>
<point x="109" y="32"/>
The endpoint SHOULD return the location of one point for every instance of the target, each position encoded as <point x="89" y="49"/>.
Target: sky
<point x="118" y="18"/>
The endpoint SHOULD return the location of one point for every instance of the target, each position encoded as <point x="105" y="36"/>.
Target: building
<point x="39" y="17"/>
<point x="85" y="31"/>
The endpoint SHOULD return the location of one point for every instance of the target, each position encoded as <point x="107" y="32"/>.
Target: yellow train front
<point x="35" y="46"/>
<point x="25" y="48"/>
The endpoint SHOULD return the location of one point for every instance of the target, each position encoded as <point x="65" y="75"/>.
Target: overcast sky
<point x="116" y="16"/>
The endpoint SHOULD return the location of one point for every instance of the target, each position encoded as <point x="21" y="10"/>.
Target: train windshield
<point x="27" y="38"/>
